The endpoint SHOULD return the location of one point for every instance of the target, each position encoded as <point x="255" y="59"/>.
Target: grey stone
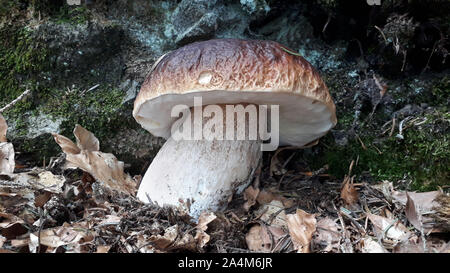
<point x="193" y="20"/>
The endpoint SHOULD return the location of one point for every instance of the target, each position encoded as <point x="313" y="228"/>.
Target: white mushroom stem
<point x="199" y="175"/>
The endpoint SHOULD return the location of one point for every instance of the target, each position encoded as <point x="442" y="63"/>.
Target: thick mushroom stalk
<point x="199" y="175"/>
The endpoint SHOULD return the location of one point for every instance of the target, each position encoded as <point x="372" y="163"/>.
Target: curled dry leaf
<point x="301" y="226"/>
<point x="392" y="228"/>
<point x="250" y="195"/>
<point x="85" y="139"/>
<point x="104" y="167"/>
<point x="412" y="214"/>
<point x="201" y="236"/>
<point x="424" y="201"/>
<point x="348" y="192"/>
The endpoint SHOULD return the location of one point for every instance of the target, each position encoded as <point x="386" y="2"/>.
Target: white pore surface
<point x="302" y="119"/>
<point x="199" y="175"/>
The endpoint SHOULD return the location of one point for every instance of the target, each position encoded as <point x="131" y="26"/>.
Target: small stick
<point x="19" y="98"/>
<point x="393" y="127"/>
<point x="382" y="34"/>
<point x="326" y="24"/>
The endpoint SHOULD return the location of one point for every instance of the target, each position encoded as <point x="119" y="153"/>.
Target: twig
<point x="382" y="34"/>
<point x="90" y="89"/>
<point x="326" y="24"/>
<point x="346" y="213"/>
<point x="393" y="127"/>
<point x="429" y="58"/>
<point x="19" y="98"/>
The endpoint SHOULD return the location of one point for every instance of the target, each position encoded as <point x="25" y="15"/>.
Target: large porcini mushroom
<point x="202" y="174"/>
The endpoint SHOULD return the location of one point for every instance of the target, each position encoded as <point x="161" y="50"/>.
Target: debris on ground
<point x="93" y="208"/>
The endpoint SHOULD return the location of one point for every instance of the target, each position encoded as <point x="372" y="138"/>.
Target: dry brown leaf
<point x="250" y="195"/>
<point x="102" y="166"/>
<point x="327" y="234"/>
<point x="412" y="214"/>
<point x="103" y="249"/>
<point x="348" y="192"/>
<point x="7" y="163"/>
<point x="267" y="196"/>
<point x="65" y="235"/>
<point x="371" y="246"/>
<point x="187" y="242"/>
<point x="142" y="243"/>
<point x="164" y="241"/>
<point x="273" y="214"/>
<point x="266" y="238"/>
<point x="301" y="226"/>
<point x="390" y="227"/>
<point x="40" y="199"/>
<point x="66" y="144"/>
<point x="11" y="226"/>
<point x="424" y="201"/>
<point x="258" y="239"/>
<point x="85" y="139"/>
<point x="201" y="236"/>
<point x="50" y="182"/>
<point x="278" y="234"/>
<point x="3" y="129"/>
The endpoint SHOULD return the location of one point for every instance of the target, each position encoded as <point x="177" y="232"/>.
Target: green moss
<point x="100" y="111"/>
<point x="423" y="156"/>
<point x="441" y="91"/>
<point x="25" y="61"/>
<point x="73" y="15"/>
<point x="22" y="58"/>
<point x="97" y="110"/>
<point x="8" y="7"/>
<point x="434" y="91"/>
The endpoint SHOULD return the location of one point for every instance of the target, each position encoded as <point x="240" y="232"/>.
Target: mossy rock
<point x="420" y="161"/>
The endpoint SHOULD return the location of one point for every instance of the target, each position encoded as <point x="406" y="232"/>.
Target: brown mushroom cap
<point x="232" y="71"/>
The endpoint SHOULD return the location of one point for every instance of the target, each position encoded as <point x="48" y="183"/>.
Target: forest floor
<point x="54" y="208"/>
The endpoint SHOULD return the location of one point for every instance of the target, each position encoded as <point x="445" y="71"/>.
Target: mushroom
<point x="203" y="174"/>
